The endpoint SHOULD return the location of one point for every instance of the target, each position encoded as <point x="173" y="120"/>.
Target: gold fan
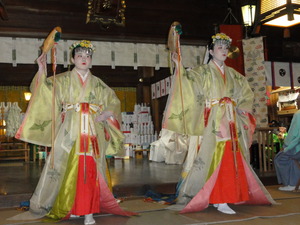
<point x="233" y="52"/>
<point x="173" y="37"/>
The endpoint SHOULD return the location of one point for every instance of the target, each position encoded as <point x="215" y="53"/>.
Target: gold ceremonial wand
<point x="174" y="47"/>
<point x="50" y="43"/>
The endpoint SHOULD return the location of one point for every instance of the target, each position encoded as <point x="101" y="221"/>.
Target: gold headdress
<point x="222" y="38"/>
<point x="83" y="44"/>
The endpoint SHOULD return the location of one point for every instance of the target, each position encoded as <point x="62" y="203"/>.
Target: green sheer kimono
<point x="194" y="110"/>
<point x="70" y="91"/>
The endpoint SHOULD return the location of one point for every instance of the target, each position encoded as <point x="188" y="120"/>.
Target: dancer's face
<point x="219" y="53"/>
<point x="82" y="60"/>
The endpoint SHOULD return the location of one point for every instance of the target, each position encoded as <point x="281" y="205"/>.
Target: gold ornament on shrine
<point x="106" y="12"/>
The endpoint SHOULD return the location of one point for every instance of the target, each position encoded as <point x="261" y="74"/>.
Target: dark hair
<point x="210" y="46"/>
<point x="73" y="51"/>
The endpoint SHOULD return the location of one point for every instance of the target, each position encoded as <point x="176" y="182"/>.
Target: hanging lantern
<point x="281" y="13"/>
<point x="248" y="12"/>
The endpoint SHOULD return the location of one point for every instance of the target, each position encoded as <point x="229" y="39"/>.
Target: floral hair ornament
<point x="83" y="45"/>
<point x="221" y="38"/>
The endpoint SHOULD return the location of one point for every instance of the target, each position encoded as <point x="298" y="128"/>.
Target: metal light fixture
<point x="248" y="8"/>
<point x="27" y="96"/>
<point x="281" y="13"/>
<point x="248" y="12"/>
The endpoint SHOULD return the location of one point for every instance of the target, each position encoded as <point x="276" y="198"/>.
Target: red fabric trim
<point x="84" y="138"/>
<point x="201" y="200"/>
<point x="107" y="135"/>
<point x="252" y="125"/>
<point x="95" y="146"/>
<point x="94" y="196"/>
<point x="206" y="115"/>
<point x="231" y="185"/>
<point x="80" y="79"/>
<point x="114" y="122"/>
<point x="109" y="203"/>
<point x="256" y="194"/>
<point x="88" y="189"/>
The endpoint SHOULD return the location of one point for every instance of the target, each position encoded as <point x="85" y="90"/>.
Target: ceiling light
<point x="281" y="13"/>
<point x="27" y="96"/>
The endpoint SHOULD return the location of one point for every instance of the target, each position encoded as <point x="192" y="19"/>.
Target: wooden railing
<point x="14" y="151"/>
<point x="266" y="148"/>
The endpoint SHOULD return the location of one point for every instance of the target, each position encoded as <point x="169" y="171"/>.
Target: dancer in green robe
<point x="211" y="106"/>
<point x="86" y="114"/>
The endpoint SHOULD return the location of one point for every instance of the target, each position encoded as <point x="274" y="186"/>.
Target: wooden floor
<point x="285" y="212"/>
<point x="131" y="179"/>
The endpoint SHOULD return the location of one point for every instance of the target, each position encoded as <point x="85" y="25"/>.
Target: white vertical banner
<point x="24" y="50"/>
<point x="156" y="57"/>
<point x="200" y="57"/>
<point x="281" y="76"/>
<point x="14" y="52"/>
<point x="168" y="84"/>
<point x="38" y="45"/>
<point x="135" y="58"/>
<point x="158" y="93"/>
<point x="255" y="71"/>
<point x="162" y="87"/>
<point x="153" y="91"/>
<point x="66" y="53"/>
<point x="268" y="70"/>
<point x="282" y="73"/>
<point x="113" y="55"/>
<point x="206" y="56"/>
<point x="296" y="74"/>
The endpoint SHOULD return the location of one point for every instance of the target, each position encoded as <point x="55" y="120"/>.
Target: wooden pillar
<point x="144" y="86"/>
<point x="272" y="107"/>
<point x="144" y="95"/>
<point x="155" y="114"/>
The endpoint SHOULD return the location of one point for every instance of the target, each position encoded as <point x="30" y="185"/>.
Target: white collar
<point x="220" y="67"/>
<point x="83" y="76"/>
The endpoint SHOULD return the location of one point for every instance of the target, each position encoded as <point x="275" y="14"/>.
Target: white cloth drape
<point x="26" y="51"/>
